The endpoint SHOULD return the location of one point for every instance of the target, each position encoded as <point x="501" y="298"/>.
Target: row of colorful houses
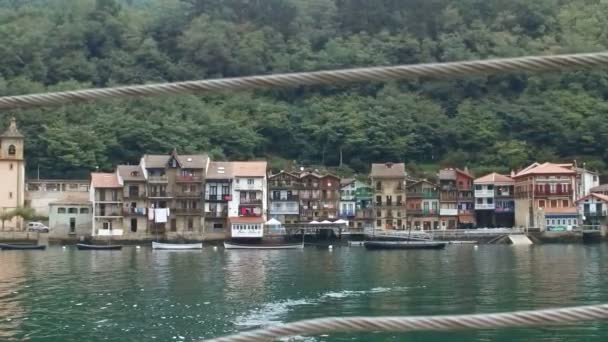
<point x="176" y="195"/>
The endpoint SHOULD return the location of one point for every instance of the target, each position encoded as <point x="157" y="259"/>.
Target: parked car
<point x="37" y="227"/>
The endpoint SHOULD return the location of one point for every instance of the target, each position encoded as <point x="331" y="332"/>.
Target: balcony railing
<point x="347" y="213"/>
<point x="158" y="179"/>
<point x="422" y="211"/>
<point x="216" y="214"/>
<point x="114" y="213"/>
<point x="190" y="194"/>
<point x="134" y="212"/>
<point x="134" y="195"/>
<point x="218" y="198"/>
<point x="364" y="214"/>
<point x="595" y="213"/>
<point x="553" y="193"/>
<point x="256" y="201"/>
<point x="465" y="212"/>
<point x="188" y="179"/>
<point x="504" y="209"/>
<point x="504" y="194"/>
<point x="484" y="193"/>
<point x="484" y="206"/>
<point x="285" y="198"/>
<point x="244" y="186"/>
<point x="448" y="212"/>
<point x="425" y="194"/>
<point x="448" y="198"/>
<point x="198" y="211"/>
<point x="160" y="194"/>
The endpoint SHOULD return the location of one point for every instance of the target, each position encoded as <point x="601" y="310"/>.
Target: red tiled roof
<point x="493" y="178"/>
<point x="598" y="196"/>
<point x="249" y="168"/>
<point x="219" y="170"/>
<point x="105" y="180"/>
<point x="388" y="170"/>
<point x="465" y="173"/>
<point x="246" y="219"/>
<point x="545" y="169"/>
<point x="569" y="210"/>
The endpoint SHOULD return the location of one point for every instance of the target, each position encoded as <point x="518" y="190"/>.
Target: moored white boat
<point x="160" y="245"/>
<point x="232" y="245"/>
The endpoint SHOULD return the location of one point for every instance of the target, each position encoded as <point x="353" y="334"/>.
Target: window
<point x="10" y="166"/>
<point x="134" y="225"/>
<point x="60" y="210"/>
<point x="218" y="226"/>
<point x="84" y="210"/>
<point x="107" y="225"/>
<point x="190" y="223"/>
<point x="477" y="187"/>
<point x="541" y="203"/>
<point x="10" y="195"/>
<point x="480" y="201"/>
<point x="553" y="203"/>
<point x="72" y="225"/>
<point x="490" y="187"/>
<point x="490" y="200"/>
<point x="379" y="223"/>
<point x="378" y="185"/>
<point x="378" y="200"/>
<point x="565" y="203"/>
<point x="173" y="225"/>
<point x="379" y="213"/>
<point x="12" y="150"/>
<point x="73" y="211"/>
<point x="250" y="181"/>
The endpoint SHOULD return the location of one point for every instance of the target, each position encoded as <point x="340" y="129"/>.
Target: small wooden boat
<point x="232" y="245"/>
<point x="9" y="247"/>
<point x="85" y="247"/>
<point x="404" y="245"/>
<point x="176" y="246"/>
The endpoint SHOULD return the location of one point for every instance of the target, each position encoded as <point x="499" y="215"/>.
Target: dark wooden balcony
<point x="188" y="179"/>
<point x="218" y="198"/>
<point x="285" y="199"/>
<point x="189" y="194"/>
<point x="216" y="214"/>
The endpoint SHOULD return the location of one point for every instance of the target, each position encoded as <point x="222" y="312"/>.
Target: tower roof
<point x="12" y="131"/>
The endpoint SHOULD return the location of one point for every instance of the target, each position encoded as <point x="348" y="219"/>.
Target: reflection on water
<point x="141" y="294"/>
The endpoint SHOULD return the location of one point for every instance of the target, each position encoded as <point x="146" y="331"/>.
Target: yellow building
<point x="12" y="173"/>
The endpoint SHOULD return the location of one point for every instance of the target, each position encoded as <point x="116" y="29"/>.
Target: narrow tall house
<point x="389" y="184"/>
<point x="106" y="196"/>
<point x="248" y="207"/>
<point x="218" y="196"/>
<point x="135" y="210"/>
<point x="544" y="197"/>
<point x="466" y="201"/>
<point x="12" y="173"/>
<point x="448" y="199"/>
<point x="319" y="196"/>
<point x="348" y="202"/>
<point x="423" y="205"/>
<point x="176" y="182"/>
<point x="283" y="195"/>
<point x="494" y="205"/>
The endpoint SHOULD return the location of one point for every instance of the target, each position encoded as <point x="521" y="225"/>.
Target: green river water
<point x="146" y="295"/>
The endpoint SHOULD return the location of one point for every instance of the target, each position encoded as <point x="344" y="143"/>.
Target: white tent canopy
<point x="326" y="221"/>
<point x="314" y="222"/>
<point x="341" y="221"/>
<point x="273" y="222"/>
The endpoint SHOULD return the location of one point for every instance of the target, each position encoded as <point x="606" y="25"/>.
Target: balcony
<point x="134" y="212"/>
<point x="425" y="194"/>
<point x="364" y="214"/>
<point x="448" y="212"/>
<point x="158" y="179"/>
<point x="216" y="214"/>
<point x="292" y="198"/>
<point x="134" y="195"/>
<point x="504" y="209"/>
<point x="190" y="194"/>
<point x="429" y="212"/>
<point x="504" y="194"/>
<point x="245" y="186"/>
<point x="284" y="209"/>
<point x="603" y="213"/>
<point x="465" y="212"/>
<point x="484" y="206"/>
<point x="448" y="197"/>
<point x="347" y="214"/>
<point x="253" y="201"/>
<point x="218" y="198"/>
<point x="160" y="194"/>
<point x="484" y="193"/>
<point x="187" y="211"/>
<point x="107" y="213"/>
<point x="562" y="193"/>
<point x="465" y="199"/>
<point x="188" y="179"/>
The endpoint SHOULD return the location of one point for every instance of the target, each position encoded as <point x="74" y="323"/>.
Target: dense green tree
<point x="499" y="122"/>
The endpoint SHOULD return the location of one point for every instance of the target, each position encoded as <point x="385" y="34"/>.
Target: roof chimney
<point x="466" y="169"/>
<point x="512" y="173"/>
<point x="389" y="165"/>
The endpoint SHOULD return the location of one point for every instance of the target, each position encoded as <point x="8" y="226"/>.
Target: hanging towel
<point x="168" y="212"/>
<point x="160" y="215"/>
<point x="151" y="214"/>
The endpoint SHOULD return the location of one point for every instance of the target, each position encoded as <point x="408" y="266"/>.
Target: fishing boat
<point x="85" y="247"/>
<point x="9" y="247"/>
<point x="232" y="245"/>
<point x="404" y="245"/>
<point x="176" y="246"/>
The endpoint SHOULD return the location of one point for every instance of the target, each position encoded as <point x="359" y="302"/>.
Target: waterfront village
<point x="180" y="196"/>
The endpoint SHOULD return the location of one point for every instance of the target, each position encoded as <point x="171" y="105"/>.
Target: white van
<point x="37" y="227"/>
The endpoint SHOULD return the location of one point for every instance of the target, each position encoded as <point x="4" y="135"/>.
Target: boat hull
<point x="8" y="247"/>
<point x="176" y="246"/>
<point x="230" y="245"/>
<point x="85" y="247"/>
<point x="376" y="245"/>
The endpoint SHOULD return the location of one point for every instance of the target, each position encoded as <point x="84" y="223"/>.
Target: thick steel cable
<point x="423" y="323"/>
<point x="433" y="70"/>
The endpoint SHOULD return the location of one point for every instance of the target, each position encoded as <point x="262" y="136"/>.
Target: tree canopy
<point x="499" y="122"/>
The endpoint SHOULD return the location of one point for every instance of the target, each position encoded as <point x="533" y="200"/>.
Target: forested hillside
<point x="483" y="122"/>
